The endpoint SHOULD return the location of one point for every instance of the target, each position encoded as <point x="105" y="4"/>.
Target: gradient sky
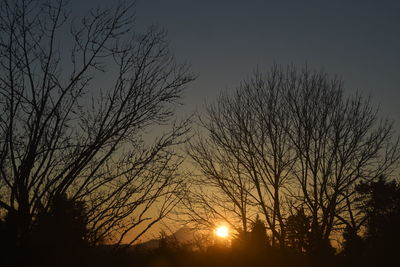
<point x="224" y="41"/>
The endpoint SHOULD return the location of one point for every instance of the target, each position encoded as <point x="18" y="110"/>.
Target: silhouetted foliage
<point x="258" y="239"/>
<point x="298" y="231"/>
<point x="60" y="235"/>
<point x="381" y="203"/>
<point x="354" y="248"/>
<point x="8" y="245"/>
<point x="66" y="221"/>
<point x="377" y="242"/>
<point x="254" y="241"/>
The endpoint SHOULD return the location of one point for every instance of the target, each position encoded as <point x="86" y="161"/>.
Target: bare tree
<point x="296" y="143"/>
<point x="76" y="108"/>
<point x="247" y="146"/>
<point x="339" y="142"/>
<point x="220" y="195"/>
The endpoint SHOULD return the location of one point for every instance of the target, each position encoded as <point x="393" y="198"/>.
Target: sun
<point x="222" y="231"/>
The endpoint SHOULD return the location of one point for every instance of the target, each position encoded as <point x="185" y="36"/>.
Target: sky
<point x="224" y="41"/>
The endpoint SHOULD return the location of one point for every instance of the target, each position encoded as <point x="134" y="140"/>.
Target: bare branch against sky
<point x="288" y="141"/>
<point x="75" y="110"/>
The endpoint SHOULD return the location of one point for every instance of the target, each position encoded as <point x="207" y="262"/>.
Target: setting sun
<point x="222" y="231"/>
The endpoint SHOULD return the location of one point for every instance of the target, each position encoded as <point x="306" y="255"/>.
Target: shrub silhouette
<point x="381" y="204"/>
<point x="298" y="231"/>
<point x="60" y="235"/>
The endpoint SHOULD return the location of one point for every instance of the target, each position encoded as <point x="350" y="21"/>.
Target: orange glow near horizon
<point x="222" y="231"/>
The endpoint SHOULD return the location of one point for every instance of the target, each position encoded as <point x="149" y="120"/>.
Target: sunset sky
<point x="146" y="127"/>
<point x="97" y="155"/>
<point x="225" y="40"/>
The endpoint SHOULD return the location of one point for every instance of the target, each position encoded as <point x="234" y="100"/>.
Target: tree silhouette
<point x="298" y="230"/>
<point x="354" y="248"/>
<point x="258" y="239"/>
<point x="381" y="203"/>
<point x="254" y="241"/>
<point x="60" y="235"/>
<point x="76" y="108"/>
<point x="289" y="138"/>
<point x="65" y="224"/>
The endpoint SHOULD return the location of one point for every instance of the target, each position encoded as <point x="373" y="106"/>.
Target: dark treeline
<point x="59" y="239"/>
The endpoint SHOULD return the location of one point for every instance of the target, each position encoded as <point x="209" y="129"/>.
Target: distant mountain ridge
<point x="184" y="235"/>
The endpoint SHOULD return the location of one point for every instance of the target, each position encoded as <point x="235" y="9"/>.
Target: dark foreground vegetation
<point x="59" y="239"/>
